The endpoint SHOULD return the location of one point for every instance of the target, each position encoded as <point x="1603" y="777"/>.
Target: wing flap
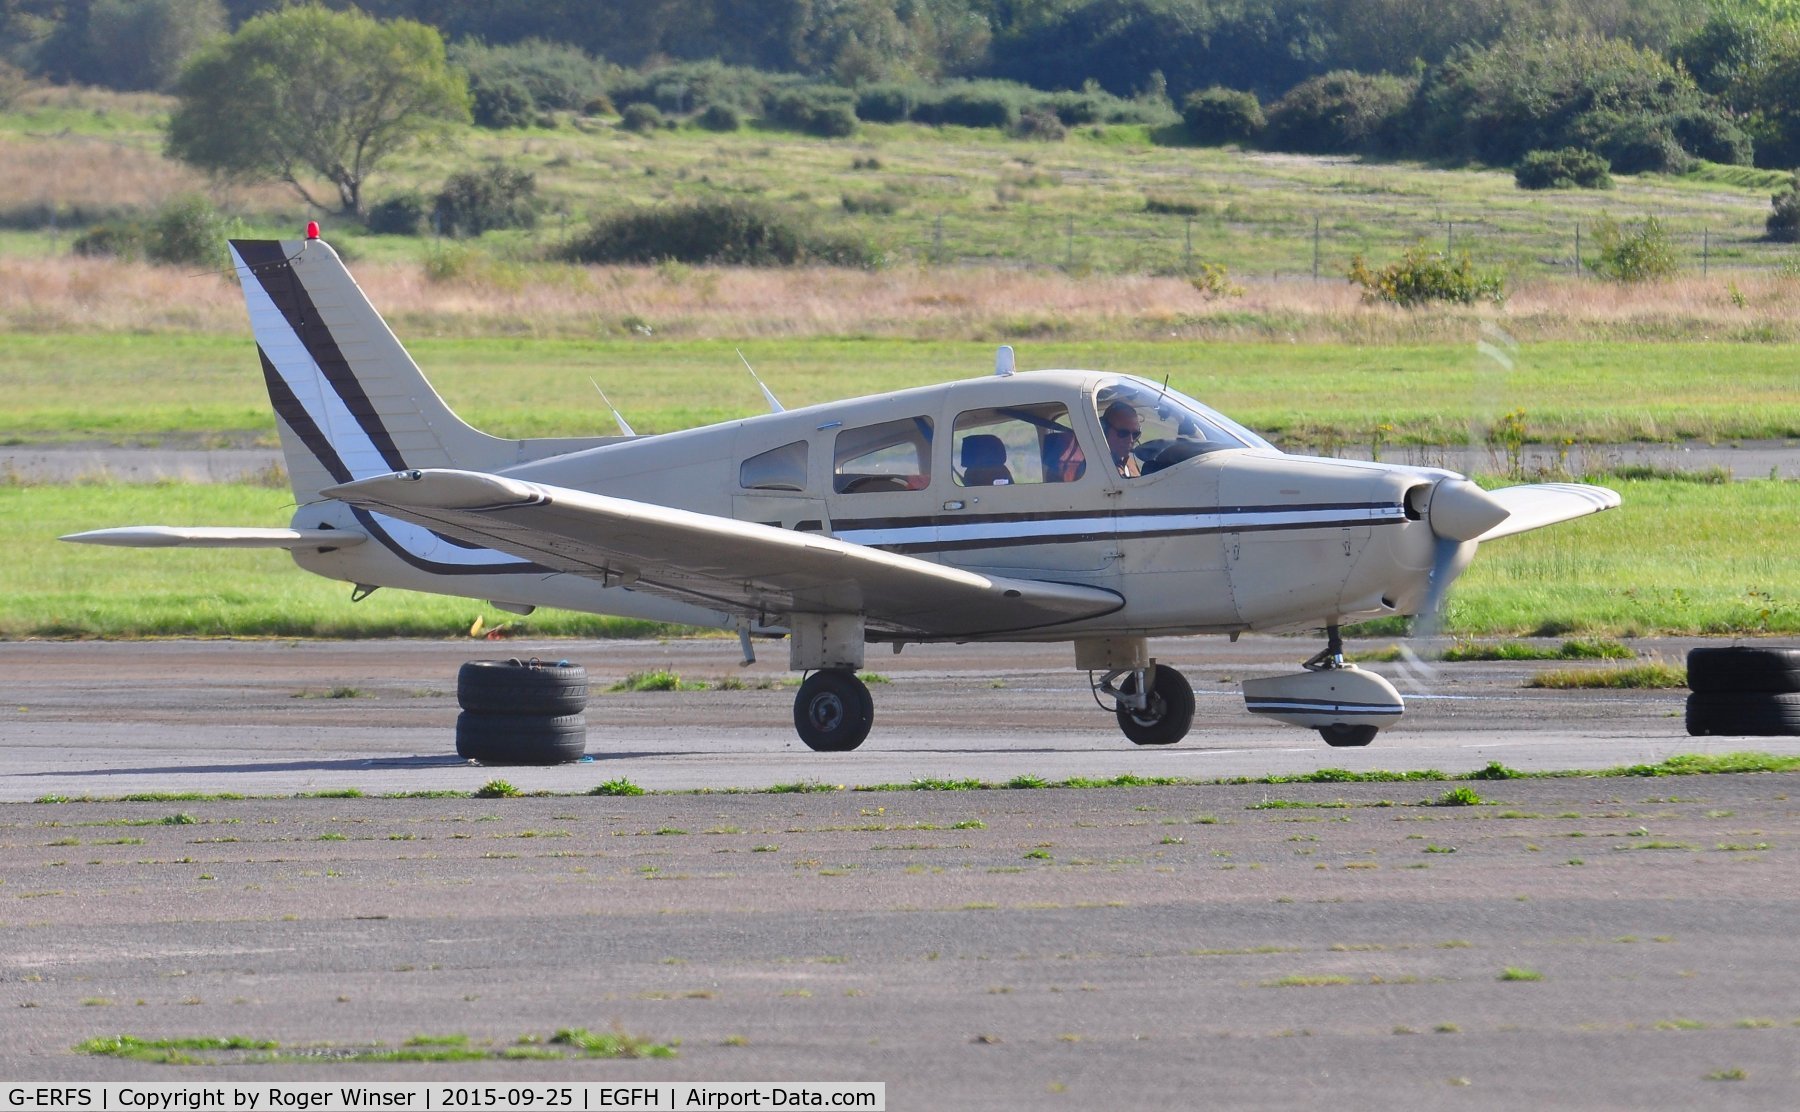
<point x="1536" y="505"/>
<point x="175" y="536"/>
<point x="747" y="568"/>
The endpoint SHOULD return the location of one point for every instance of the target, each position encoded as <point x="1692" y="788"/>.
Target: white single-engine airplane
<point x="1082" y="506"/>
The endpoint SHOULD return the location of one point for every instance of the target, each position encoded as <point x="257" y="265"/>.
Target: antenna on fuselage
<point x="617" y="416"/>
<point x="1003" y="362"/>
<point x="774" y="406"/>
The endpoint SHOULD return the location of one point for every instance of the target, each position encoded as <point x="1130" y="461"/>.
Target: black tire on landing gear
<point x="1170" y="713"/>
<point x="1342" y="735"/>
<point x="833" y="711"/>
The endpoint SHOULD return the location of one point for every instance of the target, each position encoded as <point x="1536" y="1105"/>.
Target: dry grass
<point x="65" y="154"/>
<point x="984" y="304"/>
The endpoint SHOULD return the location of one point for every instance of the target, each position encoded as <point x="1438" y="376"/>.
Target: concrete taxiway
<point x="1621" y="943"/>
<point x="268" y="717"/>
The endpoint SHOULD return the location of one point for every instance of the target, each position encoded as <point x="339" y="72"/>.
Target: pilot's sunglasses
<point x="1135" y="434"/>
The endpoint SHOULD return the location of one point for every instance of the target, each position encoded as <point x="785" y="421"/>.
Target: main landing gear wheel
<point x="1343" y="735"/>
<point x="833" y="711"/>
<point x="1169" y="714"/>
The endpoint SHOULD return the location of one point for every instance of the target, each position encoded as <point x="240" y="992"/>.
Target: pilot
<point x="1063" y="458"/>
<point x="1123" y="431"/>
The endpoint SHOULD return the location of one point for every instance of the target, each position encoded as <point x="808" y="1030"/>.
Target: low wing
<point x="741" y="567"/>
<point x="1539" y="504"/>
<point x="173" y="536"/>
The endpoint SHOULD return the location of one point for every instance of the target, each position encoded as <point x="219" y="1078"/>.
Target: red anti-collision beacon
<point x="312" y="229"/>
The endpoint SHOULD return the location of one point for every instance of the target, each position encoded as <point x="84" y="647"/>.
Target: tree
<point x="306" y="93"/>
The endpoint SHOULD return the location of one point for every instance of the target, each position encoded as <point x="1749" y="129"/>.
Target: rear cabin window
<point x="1016" y="445"/>
<point x="782" y="468"/>
<point x="894" y="455"/>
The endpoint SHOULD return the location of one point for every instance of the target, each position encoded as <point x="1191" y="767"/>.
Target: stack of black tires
<point x="1744" y="690"/>
<point x="521" y="712"/>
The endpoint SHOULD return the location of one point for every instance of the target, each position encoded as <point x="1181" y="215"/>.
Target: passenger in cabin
<point x="1123" y="431"/>
<point x="1063" y="458"/>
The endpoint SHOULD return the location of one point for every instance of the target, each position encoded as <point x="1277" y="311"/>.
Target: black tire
<point x="1743" y="713"/>
<point x="833" y="711"/>
<point x="521" y="687"/>
<point x="1743" y="668"/>
<point x="521" y="739"/>
<point x="1168" y="717"/>
<point x="1343" y="735"/>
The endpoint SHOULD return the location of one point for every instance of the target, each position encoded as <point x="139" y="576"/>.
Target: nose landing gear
<point x="1347" y="705"/>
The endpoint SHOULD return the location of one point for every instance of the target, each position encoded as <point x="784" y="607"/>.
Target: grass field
<point x="200" y="389"/>
<point x="1680" y="558"/>
<point x="942" y="194"/>
<point x="1053" y="247"/>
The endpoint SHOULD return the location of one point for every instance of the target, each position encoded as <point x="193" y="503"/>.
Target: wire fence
<point x="1312" y="247"/>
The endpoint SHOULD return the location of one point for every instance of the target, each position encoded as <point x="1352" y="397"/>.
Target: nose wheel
<point x="833" y="711"/>
<point x="1343" y="735"/>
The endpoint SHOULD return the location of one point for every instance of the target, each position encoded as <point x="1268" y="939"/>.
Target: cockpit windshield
<point x="1149" y="427"/>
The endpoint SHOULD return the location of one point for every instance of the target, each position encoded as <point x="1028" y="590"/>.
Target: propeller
<point x="1457" y="512"/>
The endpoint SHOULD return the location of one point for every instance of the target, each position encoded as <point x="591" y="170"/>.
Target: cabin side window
<point x="1016" y="445"/>
<point x="894" y="455"/>
<point x="782" y="468"/>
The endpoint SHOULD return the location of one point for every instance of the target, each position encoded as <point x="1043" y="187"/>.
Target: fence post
<point x="1449" y="237"/>
<point x="1188" y="252"/>
<point x="1315" y="247"/>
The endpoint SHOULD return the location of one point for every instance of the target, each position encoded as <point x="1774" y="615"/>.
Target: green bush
<point x="1568" y="168"/>
<point x="1544" y="92"/>
<point x="641" y="117"/>
<point x="502" y="104"/>
<point x="477" y="201"/>
<point x="728" y="233"/>
<point x="1220" y="115"/>
<point x="690" y="86"/>
<point x="971" y="104"/>
<point x="189" y="231"/>
<point x="1783" y="224"/>
<point x="1632" y="144"/>
<point x="552" y="75"/>
<point x="1040" y="123"/>
<point x="824" y="111"/>
<point x="402" y="215"/>
<point x="720" y="117"/>
<point x="886" y="103"/>
<point x="1422" y="276"/>
<point x="1094" y="105"/>
<point x="871" y="205"/>
<point x="1711" y="136"/>
<point x="117" y="241"/>
<point x="1342" y="112"/>
<point x="1636" y="251"/>
<point x="13" y="84"/>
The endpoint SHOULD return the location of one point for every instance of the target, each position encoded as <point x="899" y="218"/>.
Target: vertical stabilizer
<point x="350" y="401"/>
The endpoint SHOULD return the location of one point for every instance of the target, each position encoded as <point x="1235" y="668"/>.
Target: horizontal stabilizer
<point x="743" y="567"/>
<point x="176" y="536"/>
<point x="1536" y="505"/>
